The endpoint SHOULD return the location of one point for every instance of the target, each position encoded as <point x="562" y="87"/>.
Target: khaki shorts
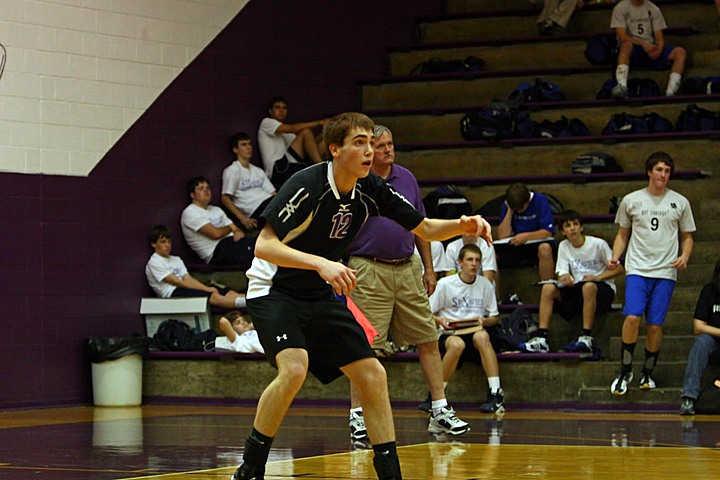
<point x="393" y="298"/>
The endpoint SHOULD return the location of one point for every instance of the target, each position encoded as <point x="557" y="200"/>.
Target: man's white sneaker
<point x="447" y="422"/>
<point x="358" y="431"/>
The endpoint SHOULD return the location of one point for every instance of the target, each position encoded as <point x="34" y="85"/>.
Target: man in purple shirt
<point x="392" y="290"/>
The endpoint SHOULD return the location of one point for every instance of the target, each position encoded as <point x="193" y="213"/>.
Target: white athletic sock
<point x="673" y="84"/>
<point x="621" y="74"/>
<point x="494" y="383"/>
<point x="438" y="405"/>
<point x="357" y="410"/>
<point x="240" y="302"/>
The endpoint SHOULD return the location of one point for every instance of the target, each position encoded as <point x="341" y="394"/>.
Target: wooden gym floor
<point x="205" y="443"/>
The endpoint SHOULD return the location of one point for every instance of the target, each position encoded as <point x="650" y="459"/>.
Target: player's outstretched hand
<point x="341" y="278"/>
<point x="478" y="226"/>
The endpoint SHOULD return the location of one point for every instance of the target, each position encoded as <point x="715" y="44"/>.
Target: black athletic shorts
<point x="470" y="354"/>
<point x="571" y="300"/>
<point x="325" y="328"/>
<point x="525" y="255"/>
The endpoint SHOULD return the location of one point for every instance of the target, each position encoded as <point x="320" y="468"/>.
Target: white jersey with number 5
<point x="656" y="221"/>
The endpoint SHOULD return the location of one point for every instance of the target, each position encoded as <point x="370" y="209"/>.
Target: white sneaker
<point x="620" y="91"/>
<point x="447" y="422"/>
<point x="535" y="345"/>
<point x="619" y="385"/>
<point x="585" y="342"/>
<point x="358" y="431"/>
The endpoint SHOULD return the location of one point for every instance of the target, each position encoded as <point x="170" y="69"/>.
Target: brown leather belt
<point x="384" y="261"/>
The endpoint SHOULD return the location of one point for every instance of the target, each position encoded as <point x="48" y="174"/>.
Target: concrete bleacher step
<point x="601" y="396"/>
<point x="473" y="90"/>
<point x="674" y="347"/>
<point x="591" y="198"/>
<point x="700" y="154"/>
<point x="445" y="128"/>
<point x="462" y="6"/>
<point x="454" y="28"/>
<point x="559" y="51"/>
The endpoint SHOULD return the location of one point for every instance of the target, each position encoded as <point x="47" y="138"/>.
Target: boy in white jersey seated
<point x="240" y="334"/>
<point x="462" y="299"/>
<point x="584" y="285"/>
<point x="169" y="278"/>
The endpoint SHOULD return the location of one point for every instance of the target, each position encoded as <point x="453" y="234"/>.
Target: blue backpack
<point x="700" y="86"/>
<point x="696" y="119"/>
<point x="565" y="127"/>
<point x="540" y="91"/>
<point x="624" y="123"/>
<point x="600" y="49"/>
<point x="495" y="122"/>
<point x="511" y="331"/>
<point x="637" y="87"/>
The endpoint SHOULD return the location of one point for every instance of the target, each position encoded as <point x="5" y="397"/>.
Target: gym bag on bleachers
<point x="697" y="119"/>
<point x="540" y="91"/>
<point x="565" y="127"/>
<point x="700" y="86"/>
<point x="595" y="162"/>
<point x="437" y="65"/>
<point x="511" y="331"/>
<point x="496" y="121"/>
<point x="176" y="336"/>
<point x="624" y="123"/>
<point x="600" y="49"/>
<point x="446" y="202"/>
<point x="637" y="87"/>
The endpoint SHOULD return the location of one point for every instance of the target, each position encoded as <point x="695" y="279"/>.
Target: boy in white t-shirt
<point x="584" y="285"/>
<point x="246" y="190"/>
<point x="169" y="278"/>
<point x="240" y="334"/>
<point x="655" y="223"/>
<point x="469" y="296"/>
<point x="286" y="148"/>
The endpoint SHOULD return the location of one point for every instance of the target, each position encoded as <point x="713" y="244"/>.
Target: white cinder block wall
<point x="79" y="73"/>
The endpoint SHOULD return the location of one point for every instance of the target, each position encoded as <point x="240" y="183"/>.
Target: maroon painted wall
<point x="72" y="250"/>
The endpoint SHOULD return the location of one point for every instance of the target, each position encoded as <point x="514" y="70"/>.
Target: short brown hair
<point x="339" y="126"/>
<point x="517" y="195"/>
<point x="659" y="157"/>
<point x="470" y="247"/>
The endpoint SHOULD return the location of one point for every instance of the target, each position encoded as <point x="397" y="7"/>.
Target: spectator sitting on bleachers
<point x="450" y="259"/>
<point x="286" y="148"/>
<point x="639" y="26"/>
<point x="556" y="15"/>
<point x="584" y="285"/>
<point x="210" y="233"/>
<point x="706" y="326"/>
<point x="246" y="190"/>
<point x="240" y="334"/>
<point x="527" y="222"/>
<point x="468" y="296"/>
<point x="168" y="276"/>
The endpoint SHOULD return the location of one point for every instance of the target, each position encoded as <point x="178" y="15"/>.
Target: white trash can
<point x="117" y="370"/>
<point x="118" y="383"/>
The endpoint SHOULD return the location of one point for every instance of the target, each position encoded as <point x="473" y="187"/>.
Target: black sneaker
<point x="494" y="403"/>
<point x="514" y="299"/>
<point x="426" y="405"/>
<point x="248" y="472"/>
<point x="687" y="406"/>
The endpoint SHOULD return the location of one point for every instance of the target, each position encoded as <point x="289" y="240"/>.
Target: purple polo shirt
<point x="381" y="237"/>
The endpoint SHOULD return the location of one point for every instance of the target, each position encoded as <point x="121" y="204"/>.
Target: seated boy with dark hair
<point x="169" y="278"/>
<point x="246" y="190"/>
<point x="584" y="285"/>
<point x="525" y="219"/>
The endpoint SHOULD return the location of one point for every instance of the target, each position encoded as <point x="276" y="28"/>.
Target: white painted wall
<point x="79" y="73"/>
